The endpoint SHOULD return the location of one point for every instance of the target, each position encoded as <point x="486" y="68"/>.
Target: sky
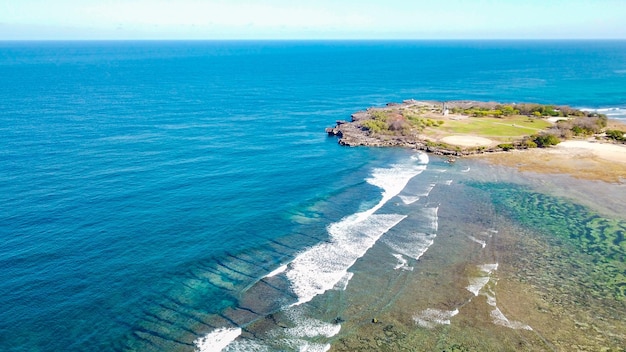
<point x="311" y="19"/>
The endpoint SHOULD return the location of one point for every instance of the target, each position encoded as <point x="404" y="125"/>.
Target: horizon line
<point x="296" y="39"/>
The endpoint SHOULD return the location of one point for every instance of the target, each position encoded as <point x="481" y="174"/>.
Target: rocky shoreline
<point x="353" y="135"/>
<point x="421" y="125"/>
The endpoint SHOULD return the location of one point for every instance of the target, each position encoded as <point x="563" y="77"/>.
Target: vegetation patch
<point x="398" y="122"/>
<point x="616" y="135"/>
<point x="514" y="126"/>
<point x="580" y="127"/>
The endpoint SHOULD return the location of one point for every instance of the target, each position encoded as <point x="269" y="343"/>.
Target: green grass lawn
<point x="491" y="127"/>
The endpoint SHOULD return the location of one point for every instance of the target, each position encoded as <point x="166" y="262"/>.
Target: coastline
<point x="491" y="280"/>
<point x="519" y="239"/>
<point x="583" y="159"/>
<point x="444" y="128"/>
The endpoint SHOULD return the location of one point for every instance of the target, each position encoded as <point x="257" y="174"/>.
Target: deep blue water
<point x="129" y="168"/>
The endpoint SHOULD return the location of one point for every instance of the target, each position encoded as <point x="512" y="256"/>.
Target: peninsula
<point x="459" y="128"/>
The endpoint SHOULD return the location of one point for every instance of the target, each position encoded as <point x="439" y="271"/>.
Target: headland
<point x="580" y="143"/>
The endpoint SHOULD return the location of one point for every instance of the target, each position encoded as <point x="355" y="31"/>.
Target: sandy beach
<point x="610" y="152"/>
<point x="580" y="158"/>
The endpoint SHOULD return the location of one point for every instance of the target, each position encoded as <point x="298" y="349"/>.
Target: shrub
<point x="508" y="110"/>
<point x="616" y="135"/>
<point x="379" y="115"/>
<point x="529" y="143"/>
<point x="506" y="146"/>
<point x="545" y="140"/>
<point x="375" y="126"/>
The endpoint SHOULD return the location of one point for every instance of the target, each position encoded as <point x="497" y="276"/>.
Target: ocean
<point x="181" y="196"/>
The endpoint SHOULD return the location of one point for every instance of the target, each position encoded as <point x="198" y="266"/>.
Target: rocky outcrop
<point x="354" y="133"/>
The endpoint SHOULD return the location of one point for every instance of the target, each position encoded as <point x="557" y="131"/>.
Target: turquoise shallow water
<point x="146" y="188"/>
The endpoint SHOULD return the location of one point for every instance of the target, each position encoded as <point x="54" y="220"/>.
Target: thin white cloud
<point x="226" y="19"/>
<point x="219" y="13"/>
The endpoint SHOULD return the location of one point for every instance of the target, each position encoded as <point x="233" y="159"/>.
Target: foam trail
<point x="477" y="283"/>
<point x="322" y="266"/>
<point x="409" y="199"/>
<point x="500" y="319"/>
<point x="311" y="328"/>
<point x="488" y="268"/>
<point x="247" y="346"/>
<point x="393" y="180"/>
<point x="343" y="283"/>
<point x="481" y="242"/>
<point x="217" y="340"/>
<point x="434" y="218"/>
<point x="415" y="195"/>
<point x="402" y="263"/>
<point x="611" y="112"/>
<point x="429" y="318"/>
<point x="277" y="271"/>
<point x="413" y="245"/>
<point x="422" y="158"/>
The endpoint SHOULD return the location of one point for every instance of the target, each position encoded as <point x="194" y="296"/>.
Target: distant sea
<point x="183" y="195"/>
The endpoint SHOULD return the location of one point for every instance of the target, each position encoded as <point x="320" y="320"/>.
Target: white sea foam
<point x="491" y="298"/>
<point x="434" y="218"/>
<point x="422" y="158"/>
<point x="412" y="196"/>
<point x="477" y="283"/>
<point x="312" y="328"/>
<point x="246" y="346"/>
<point x="466" y="170"/>
<point x="429" y="318"/>
<point x="500" y="319"/>
<point x="409" y="199"/>
<point x="476" y="286"/>
<point x="415" y="244"/>
<point x="488" y="268"/>
<point x="411" y="244"/>
<point x="447" y="182"/>
<point x="304" y="336"/>
<point x="393" y="180"/>
<point x="612" y="112"/>
<point x="322" y="266"/>
<point x="217" y="340"/>
<point x="481" y="242"/>
<point x="402" y="263"/>
<point x="279" y="270"/>
<point x="307" y="328"/>
<point x="343" y="283"/>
